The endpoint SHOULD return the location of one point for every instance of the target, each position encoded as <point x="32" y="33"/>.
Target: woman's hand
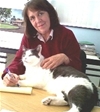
<point x="10" y="80"/>
<point x="54" y="61"/>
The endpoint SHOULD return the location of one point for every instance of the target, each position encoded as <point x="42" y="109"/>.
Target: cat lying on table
<point x="70" y="86"/>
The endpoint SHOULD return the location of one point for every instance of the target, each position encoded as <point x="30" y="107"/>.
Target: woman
<point x="42" y="27"/>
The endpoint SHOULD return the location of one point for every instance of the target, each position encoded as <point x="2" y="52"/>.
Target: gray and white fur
<point x="70" y="86"/>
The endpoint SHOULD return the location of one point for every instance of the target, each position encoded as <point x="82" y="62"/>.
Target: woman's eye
<point x="31" y="18"/>
<point x="40" y="13"/>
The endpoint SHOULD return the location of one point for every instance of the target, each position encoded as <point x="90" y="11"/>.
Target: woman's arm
<point x="72" y="51"/>
<point x="16" y="65"/>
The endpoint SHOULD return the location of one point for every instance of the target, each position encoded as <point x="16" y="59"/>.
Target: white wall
<point x="88" y="35"/>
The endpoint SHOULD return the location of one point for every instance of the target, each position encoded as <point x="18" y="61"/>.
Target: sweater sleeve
<point x="72" y="50"/>
<point x="16" y="65"/>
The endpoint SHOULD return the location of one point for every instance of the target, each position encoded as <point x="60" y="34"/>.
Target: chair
<point x="83" y="61"/>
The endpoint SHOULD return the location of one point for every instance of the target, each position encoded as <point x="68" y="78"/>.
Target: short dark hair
<point x="39" y="5"/>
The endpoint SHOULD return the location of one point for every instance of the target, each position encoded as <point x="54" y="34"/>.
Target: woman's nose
<point x="37" y="19"/>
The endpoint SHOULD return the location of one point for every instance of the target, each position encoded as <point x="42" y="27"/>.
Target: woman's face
<point x="40" y="21"/>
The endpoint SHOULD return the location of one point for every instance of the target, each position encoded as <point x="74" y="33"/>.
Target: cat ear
<point x="39" y="48"/>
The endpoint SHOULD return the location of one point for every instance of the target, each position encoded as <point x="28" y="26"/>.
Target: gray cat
<point x="70" y="86"/>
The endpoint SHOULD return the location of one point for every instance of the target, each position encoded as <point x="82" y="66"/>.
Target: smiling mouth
<point x="41" y="25"/>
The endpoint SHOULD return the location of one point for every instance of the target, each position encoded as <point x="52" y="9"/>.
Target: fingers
<point x="50" y="63"/>
<point x="54" y="61"/>
<point x="10" y="80"/>
<point x="43" y="63"/>
<point x="7" y="81"/>
<point x="15" y="76"/>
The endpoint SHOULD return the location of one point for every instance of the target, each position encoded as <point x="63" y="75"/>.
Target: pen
<point x="10" y="74"/>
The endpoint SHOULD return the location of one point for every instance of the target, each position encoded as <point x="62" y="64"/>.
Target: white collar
<point x="39" y="36"/>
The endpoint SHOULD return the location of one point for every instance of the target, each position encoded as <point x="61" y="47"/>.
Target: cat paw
<point x="46" y="101"/>
<point x="53" y="100"/>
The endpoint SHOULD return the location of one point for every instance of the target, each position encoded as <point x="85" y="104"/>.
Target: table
<point x="92" y="59"/>
<point x="30" y="102"/>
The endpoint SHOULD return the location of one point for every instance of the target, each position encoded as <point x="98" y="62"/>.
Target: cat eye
<point x="24" y="54"/>
<point x="31" y="55"/>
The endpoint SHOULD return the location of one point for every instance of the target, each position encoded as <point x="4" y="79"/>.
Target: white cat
<point x="70" y="86"/>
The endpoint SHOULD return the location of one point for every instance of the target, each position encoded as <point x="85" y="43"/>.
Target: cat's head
<point x="32" y="57"/>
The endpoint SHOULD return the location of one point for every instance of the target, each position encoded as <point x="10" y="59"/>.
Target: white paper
<point x="23" y="90"/>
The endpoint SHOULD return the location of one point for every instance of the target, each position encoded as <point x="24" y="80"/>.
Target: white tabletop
<point x="92" y="57"/>
<point x="13" y="42"/>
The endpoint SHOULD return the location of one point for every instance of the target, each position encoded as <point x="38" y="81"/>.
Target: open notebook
<point x="23" y="90"/>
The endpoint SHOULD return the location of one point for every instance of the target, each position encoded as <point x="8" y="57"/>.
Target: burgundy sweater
<point x="63" y="41"/>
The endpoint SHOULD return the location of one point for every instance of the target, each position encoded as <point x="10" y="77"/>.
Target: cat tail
<point x="93" y="100"/>
<point x="95" y="96"/>
<point x="81" y="98"/>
